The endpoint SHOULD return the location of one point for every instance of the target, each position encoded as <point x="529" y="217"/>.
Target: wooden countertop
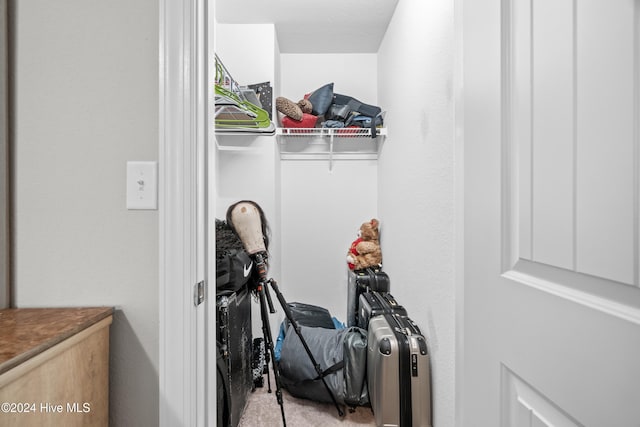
<point x="27" y="332"/>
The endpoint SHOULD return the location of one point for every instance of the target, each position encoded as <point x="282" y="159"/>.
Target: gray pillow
<point x="321" y="99"/>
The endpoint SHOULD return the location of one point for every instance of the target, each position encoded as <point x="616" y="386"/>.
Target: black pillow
<point x="321" y="99"/>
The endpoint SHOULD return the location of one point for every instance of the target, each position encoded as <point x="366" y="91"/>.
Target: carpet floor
<point x="262" y="410"/>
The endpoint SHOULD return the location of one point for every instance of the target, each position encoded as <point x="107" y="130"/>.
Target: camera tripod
<point x="266" y="307"/>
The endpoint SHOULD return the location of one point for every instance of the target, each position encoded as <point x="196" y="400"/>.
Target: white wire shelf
<point x="329" y="143"/>
<point x="329" y="132"/>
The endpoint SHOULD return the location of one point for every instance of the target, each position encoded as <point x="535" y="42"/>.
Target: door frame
<point x="184" y="380"/>
<point x="183" y="41"/>
<point x="5" y="164"/>
<point x="459" y="216"/>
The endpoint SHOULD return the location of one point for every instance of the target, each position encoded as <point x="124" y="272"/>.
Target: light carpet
<point x="262" y="410"/>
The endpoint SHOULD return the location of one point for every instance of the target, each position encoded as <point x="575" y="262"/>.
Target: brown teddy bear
<point x="365" y="250"/>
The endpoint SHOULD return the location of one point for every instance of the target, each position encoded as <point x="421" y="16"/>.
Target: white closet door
<point x="551" y="333"/>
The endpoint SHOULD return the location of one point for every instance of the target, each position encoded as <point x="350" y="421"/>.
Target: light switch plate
<point x="142" y="185"/>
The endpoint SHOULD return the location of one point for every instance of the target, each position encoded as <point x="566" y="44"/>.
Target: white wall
<point x="322" y="209"/>
<point x="416" y="180"/>
<point x="247" y="166"/>
<point x="85" y="87"/>
<point x="321" y="214"/>
<point x="352" y="74"/>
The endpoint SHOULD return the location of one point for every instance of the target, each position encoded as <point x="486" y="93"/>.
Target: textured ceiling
<point x="302" y="26"/>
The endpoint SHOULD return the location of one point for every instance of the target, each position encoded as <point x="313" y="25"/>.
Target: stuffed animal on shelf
<point x="288" y="108"/>
<point x="296" y="115"/>
<point x="365" y="250"/>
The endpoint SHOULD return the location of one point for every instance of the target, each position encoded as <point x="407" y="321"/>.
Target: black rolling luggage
<point x="375" y="304"/>
<point x="222" y="390"/>
<point x="234" y="339"/>
<point x="372" y="279"/>
<point x="359" y="281"/>
<point x="398" y="372"/>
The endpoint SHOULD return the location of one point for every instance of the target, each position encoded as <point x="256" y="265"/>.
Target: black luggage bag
<point x="398" y="372"/>
<point x="340" y="353"/>
<point x="234" y="340"/>
<point x="359" y="281"/>
<point x="375" y="304"/>
<point x="310" y="315"/>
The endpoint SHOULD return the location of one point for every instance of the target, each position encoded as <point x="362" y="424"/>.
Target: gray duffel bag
<point x="341" y="354"/>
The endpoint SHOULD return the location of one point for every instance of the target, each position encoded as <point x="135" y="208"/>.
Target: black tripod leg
<point x="266" y="352"/>
<point x="296" y="327"/>
<point x="266" y="330"/>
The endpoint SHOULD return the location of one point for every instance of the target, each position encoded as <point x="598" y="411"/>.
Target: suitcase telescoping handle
<point x="399" y="326"/>
<point x="411" y="329"/>
<point x="408" y="325"/>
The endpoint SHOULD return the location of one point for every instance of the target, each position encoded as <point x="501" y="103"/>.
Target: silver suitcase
<point x="398" y="372"/>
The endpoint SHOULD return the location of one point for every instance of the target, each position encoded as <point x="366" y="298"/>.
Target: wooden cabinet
<point x="54" y="366"/>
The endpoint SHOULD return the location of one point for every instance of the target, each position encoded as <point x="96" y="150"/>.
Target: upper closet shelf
<point x="329" y="143"/>
<point x="349" y="132"/>
<point x="236" y="107"/>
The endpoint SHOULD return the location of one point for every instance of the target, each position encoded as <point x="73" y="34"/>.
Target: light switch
<point x="142" y="185"/>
